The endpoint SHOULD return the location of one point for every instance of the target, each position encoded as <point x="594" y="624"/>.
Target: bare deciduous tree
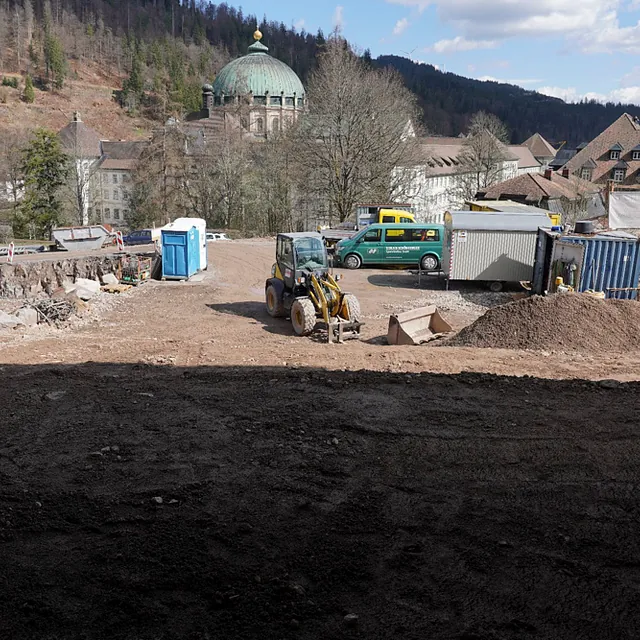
<point x="358" y="131"/>
<point x="482" y="159"/>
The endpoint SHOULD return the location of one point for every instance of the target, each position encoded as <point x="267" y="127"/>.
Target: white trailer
<point x="491" y="247"/>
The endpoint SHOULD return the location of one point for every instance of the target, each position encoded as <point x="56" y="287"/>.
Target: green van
<point x="394" y="244"/>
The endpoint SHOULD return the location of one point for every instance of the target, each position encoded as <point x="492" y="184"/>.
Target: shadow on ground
<point x="163" y="502"/>
<point x="256" y="310"/>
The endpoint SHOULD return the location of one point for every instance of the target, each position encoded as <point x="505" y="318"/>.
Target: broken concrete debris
<point x="28" y="316"/>
<point x="109" y="278"/>
<point x="8" y="321"/>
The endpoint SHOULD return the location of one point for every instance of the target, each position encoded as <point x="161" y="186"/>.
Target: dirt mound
<point x="559" y="322"/>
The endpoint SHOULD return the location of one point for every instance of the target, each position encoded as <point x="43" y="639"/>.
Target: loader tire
<point x="353" y="306"/>
<point x="303" y="316"/>
<point x="275" y="307"/>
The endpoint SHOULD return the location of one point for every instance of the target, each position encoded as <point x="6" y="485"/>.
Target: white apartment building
<point x="440" y="184"/>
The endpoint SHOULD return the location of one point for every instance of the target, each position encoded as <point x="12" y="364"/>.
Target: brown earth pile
<point x="561" y="322"/>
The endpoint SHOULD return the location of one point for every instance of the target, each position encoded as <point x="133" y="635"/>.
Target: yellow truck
<point x="367" y="214"/>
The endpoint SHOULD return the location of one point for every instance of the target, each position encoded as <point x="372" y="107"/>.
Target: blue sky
<point x="567" y="48"/>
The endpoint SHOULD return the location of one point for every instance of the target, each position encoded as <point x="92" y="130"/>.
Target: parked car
<point x="394" y="244"/>
<point x="142" y="236"/>
<point x="216" y="237"/>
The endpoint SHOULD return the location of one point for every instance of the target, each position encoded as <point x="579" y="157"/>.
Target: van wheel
<point x="496" y="286"/>
<point x="353" y="261"/>
<point x="429" y="263"/>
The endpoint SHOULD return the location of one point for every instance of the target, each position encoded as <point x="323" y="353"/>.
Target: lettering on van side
<point x="397" y="249"/>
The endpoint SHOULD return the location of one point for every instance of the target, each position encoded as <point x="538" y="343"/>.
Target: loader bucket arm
<point x="417" y="326"/>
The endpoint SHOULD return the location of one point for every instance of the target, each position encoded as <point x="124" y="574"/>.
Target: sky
<point x="571" y="49"/>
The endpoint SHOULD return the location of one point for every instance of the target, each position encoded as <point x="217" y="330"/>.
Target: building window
<point x="125" y="213"/>
<point x="275" y="100"/>
<point x="116" y="214"/>
<point x="114" y="177"/>
<point x="614" y="155"/>
<point x="244" y="123"/>
<point x="619" y="175"/>
<point x="300" y="102"/>
<point x="289" y="102"/>
<point x="105" y="195"/>
<point x="126" y="177"/>
<point x="635" y="155"/>
<point x="116" y="194"/>
<point x="275" y="124"/>
<point x="585" y="173"/>
<point x="107" y="213"/>
<point x="259" y="125"/>
<point x="259" y="99"/>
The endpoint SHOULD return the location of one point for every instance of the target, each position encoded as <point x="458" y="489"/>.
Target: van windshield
<point x="310" y="253"/>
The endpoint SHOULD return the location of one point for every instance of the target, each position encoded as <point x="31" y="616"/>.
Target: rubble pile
<point x="563" y="322"/>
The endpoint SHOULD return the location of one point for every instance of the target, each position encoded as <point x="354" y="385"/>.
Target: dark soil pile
<point x="563" y="322"/>
<point x="159" y="503"/>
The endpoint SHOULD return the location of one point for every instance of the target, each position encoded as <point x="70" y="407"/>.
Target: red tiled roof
<point x="539" y="147"/>
<point x="625" y="131"/>
<point x="535" y="187"/>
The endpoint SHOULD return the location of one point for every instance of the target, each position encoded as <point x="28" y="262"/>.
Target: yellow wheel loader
<point x="302" y="288"/>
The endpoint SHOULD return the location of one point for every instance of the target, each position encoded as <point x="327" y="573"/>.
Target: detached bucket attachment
<point x="417" y="326"/>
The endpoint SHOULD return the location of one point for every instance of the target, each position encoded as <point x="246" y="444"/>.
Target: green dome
<point x="257" y="73"/>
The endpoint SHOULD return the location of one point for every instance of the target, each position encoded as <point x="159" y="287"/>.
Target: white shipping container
<point x="491" y="246"/>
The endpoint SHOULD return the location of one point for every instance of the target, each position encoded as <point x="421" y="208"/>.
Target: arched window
<point x="244" y="123"/>
<point x="275" y="124"/>
<point x="259" y="125"/>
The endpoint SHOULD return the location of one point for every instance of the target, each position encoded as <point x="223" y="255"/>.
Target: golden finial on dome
<point x="257" y="35"/>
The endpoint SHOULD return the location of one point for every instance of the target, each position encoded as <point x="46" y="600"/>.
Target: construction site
<point x="178" y="463"/>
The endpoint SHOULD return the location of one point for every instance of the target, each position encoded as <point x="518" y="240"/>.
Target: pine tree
<point x="54" y="60"/>
<point x="29" y="95"/>
<point x="45" y="168"/>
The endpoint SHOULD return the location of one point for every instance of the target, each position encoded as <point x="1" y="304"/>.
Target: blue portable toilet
<point x="180" y="253"/>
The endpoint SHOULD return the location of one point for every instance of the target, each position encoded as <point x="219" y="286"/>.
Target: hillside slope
<point x="90" y="93"/>
<point x="449" y="101"/>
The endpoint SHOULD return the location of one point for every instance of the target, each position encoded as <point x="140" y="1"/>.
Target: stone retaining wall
<point x="30" y="278"/>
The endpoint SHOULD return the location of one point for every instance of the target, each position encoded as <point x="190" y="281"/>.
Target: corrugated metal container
<point x="496" y="247"/>
<point x="180" y="253"/>
<point x="603" y="262"/>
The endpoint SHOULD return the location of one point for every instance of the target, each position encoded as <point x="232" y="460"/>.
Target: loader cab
<point x="298" y="254"/>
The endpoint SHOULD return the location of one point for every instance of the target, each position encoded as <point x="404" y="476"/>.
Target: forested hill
<point x="449" y="100"/>
<point x="173" y="46"/>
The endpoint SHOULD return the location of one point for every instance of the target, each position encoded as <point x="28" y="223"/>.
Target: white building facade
<point x="442" y="185"/>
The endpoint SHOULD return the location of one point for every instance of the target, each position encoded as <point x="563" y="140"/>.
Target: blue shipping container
<point x="180" y="253"/>
<point x="609" y="262"/>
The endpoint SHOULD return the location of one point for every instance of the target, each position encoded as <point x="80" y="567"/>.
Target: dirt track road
<point x="233" y="496"/>
<point x="222" y="321"/>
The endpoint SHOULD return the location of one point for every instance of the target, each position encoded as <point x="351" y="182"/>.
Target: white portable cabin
<point x="184" y="224"/>
<point x="491" y="246"/>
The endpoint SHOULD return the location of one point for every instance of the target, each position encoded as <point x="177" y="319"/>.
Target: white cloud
<point x="460" y="43"/>
<point x="519" y="82"/>
<point x="298" y="25"/>
<point x="626" y="95"/>
<point x="592" y="26"/>
<point x="338" y="18"/>
<point x="401" y="26"/>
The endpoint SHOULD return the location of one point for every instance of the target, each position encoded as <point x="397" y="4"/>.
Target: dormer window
<point x="586" y="173"/>
<point x="619" y="172"/>
<point x="635" y="155"/>
<point x="615" y="151"/>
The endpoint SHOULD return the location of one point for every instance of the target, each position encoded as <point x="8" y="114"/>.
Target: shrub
<point x="9" y="82"/>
